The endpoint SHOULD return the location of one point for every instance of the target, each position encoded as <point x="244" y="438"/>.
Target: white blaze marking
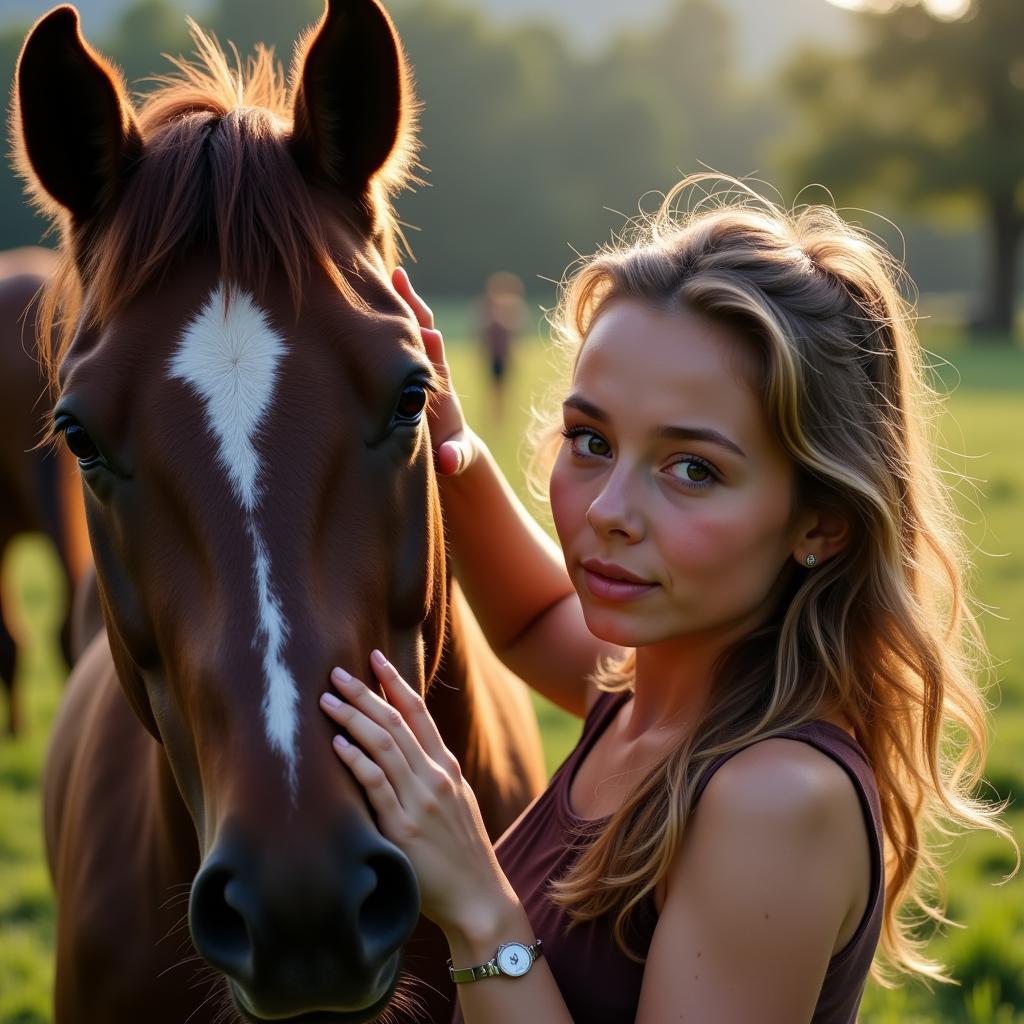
<point x="230" y="357"/>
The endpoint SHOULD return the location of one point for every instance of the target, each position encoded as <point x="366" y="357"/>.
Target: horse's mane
<point x="215" y="171"/>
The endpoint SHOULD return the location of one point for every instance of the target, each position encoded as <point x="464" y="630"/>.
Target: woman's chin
<point x="616" y="629"/>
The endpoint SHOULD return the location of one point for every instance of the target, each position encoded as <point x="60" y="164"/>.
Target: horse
<point x="38" y="489"/>
<point x="244" y="394"/>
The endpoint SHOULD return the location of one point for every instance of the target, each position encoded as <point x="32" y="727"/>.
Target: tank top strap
<point x="601" y="712"/>
<point x="837" y="744"/>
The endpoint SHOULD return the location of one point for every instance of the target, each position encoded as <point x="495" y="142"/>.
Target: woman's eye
<point x="411" y="403"/>
<point x="80" y="444"/>
<point x="586" y="442"/>
<point x="691" y="471"/>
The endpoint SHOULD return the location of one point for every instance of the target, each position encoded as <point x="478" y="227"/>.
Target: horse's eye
<point x="411" y="403"/>
<point x="80" y="443"/>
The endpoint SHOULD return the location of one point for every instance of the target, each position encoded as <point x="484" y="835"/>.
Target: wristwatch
<point x="513" y="960"/>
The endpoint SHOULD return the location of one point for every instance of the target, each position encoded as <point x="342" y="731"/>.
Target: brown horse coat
<point x="244" y="394"/>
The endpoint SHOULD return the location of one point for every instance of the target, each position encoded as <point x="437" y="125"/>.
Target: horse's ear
<point x="353" y="101"/>
<point x="77" y="132"/>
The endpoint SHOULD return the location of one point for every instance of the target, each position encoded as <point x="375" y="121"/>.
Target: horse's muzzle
<point x="303" y="929"/>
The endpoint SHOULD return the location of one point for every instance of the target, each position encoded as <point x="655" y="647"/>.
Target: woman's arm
<point x="512" y="573"/>
<point x="515" y="580"/>
<point x="765" y="878"/>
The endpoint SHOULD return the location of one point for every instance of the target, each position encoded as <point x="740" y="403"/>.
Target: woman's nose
<point x="617" y="509"/>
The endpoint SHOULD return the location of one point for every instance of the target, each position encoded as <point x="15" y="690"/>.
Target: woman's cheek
<point x="703" y="542"/>
<point x="568" y="508"/>
<point x="732" y="552"/>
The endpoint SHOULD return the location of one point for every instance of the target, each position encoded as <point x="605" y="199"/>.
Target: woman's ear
<point x="821" y="535"/>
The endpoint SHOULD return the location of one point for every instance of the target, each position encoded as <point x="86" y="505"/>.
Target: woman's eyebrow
<point x="672" y="433"/>
<point x="585" y="407"/>
<point x="700" y="434"/>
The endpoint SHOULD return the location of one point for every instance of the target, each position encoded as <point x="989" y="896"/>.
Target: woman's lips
<point x="610" y="589"/>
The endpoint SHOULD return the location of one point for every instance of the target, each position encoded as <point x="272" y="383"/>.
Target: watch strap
<point x="461" y="975"/>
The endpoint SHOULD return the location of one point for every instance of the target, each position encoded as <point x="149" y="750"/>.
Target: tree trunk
<point x="996" y="323"/>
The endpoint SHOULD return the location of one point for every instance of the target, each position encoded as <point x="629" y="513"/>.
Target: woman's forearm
<point x="509" y="568"/>
<point x="514" y="577"/>
<point x="502" y="1000"/>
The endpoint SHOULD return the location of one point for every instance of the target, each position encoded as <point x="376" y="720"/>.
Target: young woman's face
<point x="672" y="499"/>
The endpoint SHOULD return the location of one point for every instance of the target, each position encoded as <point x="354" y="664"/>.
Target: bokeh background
<point x="545" y="127"/>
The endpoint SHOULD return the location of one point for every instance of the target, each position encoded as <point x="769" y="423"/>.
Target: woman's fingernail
<point x="341" y="743"/>
<point x="330" y="700"/>
<point x="339" y="675"/>
<point x="378" y="659"/>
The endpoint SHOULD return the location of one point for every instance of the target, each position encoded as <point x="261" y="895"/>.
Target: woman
<point x="759" y="552"/>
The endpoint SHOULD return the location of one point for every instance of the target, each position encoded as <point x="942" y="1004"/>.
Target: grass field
<point x="985" y="420"/>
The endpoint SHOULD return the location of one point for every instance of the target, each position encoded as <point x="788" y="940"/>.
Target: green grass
<point x="32" y="575"/>
<point x="985" y="419"/>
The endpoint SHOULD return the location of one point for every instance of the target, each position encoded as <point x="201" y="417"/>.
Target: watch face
<point x="514" y="959"/>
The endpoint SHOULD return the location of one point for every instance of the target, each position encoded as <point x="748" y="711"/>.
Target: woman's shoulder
<point x="786" y="778"/>
<point x="821" y="752"/>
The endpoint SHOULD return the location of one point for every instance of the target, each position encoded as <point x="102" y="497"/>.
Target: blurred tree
<point x="931" y="111"/>
<point x="685" y="70"/>
<point x="529" y="145"/>
<point x="275" y="24"/>
<point x="143" y="32"/>
<point x="525" y="145"/>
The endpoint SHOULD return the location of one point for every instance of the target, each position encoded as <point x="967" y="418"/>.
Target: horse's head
<point x="245" y="396"/>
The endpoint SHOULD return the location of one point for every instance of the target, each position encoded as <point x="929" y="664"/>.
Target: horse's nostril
<point x="219" y="930"/>
<point x="389" y="913"/>
<point x="300" y="930"/>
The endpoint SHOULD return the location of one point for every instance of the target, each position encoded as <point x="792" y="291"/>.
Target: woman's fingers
<point x="402" y="285"/>
<point x="429" y="812"/>
<point x="433" y="343"/>
<point x="380" y="743"/>
<point x="413" y="710"/>
<point x="375" y="783"/>
<point x="451" y="458"/>
<point x="375" y="724"/>
<point x="453" y="451"/>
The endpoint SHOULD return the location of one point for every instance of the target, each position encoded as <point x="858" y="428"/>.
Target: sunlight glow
<point x="951" y="9"/>
<point x="948" y="10"/>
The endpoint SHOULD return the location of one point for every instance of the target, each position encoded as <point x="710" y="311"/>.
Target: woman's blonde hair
<point x="882" y="632"/>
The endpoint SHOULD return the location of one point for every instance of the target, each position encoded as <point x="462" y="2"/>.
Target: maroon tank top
<point x="599" y="983"/>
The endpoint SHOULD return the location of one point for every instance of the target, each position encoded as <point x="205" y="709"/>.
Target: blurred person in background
<point x="502" y="312"/>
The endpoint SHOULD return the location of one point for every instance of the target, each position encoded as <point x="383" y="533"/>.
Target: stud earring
<point x="810" y="561"/>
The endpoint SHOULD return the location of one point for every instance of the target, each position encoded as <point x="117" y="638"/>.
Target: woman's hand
<point x="452" y="440"/>
<point x="423" y="804"/>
